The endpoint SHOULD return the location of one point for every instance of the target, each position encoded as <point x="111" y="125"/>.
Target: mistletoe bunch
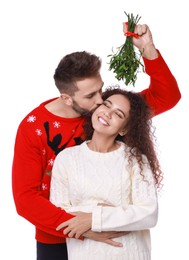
<point x="125" y="62"/>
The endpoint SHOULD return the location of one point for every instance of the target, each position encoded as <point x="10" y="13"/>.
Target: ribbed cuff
<point x="96" y="218"/>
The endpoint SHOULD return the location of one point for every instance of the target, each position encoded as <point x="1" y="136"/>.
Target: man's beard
<point x="80" y="110"/>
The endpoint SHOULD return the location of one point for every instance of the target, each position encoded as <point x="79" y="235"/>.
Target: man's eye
<point x="90" y="96"/>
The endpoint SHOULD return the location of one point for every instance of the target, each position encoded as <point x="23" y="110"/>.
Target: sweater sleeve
<point x="141" y="214"/>
<point x="27" y="173"/>
<point x="59" y="190"/>
<point x="163" y="92"/>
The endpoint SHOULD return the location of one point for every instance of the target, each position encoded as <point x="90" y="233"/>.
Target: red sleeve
<point x="163" y="92"/>
<point x="26" y="180"/>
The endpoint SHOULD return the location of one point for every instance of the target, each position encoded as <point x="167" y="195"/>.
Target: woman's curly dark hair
<point x="140" y="137"/>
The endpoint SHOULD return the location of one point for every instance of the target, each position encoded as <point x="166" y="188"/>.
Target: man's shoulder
<point x="38" y="113"/>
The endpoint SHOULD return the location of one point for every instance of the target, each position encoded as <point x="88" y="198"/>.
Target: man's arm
<point x="163" y="92"/>
<point x="26" y="179"/>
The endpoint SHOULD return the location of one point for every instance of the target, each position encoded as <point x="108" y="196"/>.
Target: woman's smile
<point x="102" y="121"/>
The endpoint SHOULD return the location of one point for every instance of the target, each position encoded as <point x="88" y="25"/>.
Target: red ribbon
<point x="130" y="34"/>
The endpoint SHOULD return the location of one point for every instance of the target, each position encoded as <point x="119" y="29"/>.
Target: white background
<point x="35" y="35"/>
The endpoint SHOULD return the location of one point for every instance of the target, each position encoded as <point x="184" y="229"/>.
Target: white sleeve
<point x="59" y="193"/>
<point x="59" y="189"/>
<point x="141" y="214"/>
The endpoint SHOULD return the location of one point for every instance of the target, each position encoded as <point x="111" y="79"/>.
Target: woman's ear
<point x="123" y="132"/>
<point x="67" y="99"/>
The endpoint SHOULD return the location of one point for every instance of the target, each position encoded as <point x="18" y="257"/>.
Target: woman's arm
<point x="59" y="195"/>
<point x="140" y="214"/>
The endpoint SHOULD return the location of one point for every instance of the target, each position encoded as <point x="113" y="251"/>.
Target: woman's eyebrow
<point x="117" y="108"/>
<point x="108" y="101"/>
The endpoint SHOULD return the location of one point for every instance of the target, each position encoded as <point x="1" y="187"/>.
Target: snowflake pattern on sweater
<point x="40" y="137"/>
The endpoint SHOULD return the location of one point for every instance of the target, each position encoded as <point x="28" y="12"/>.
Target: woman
<point x="113" y="177"/>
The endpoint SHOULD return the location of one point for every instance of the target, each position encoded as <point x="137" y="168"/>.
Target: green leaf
<point x="125" y="62"/>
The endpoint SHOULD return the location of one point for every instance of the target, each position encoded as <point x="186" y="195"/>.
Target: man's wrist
<point x="149" y="52"/>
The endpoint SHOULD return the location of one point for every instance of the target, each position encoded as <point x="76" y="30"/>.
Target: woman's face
<point x="110" y="118"/>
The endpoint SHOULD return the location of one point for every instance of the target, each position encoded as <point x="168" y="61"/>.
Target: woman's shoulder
<point x="70" y="151"/>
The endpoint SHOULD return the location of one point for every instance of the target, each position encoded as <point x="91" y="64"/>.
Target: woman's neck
<point x="103" y="144"/>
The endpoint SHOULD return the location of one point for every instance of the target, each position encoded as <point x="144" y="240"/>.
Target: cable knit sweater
<point x="82" y="178"/>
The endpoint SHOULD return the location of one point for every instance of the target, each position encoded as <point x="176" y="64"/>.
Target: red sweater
<point x="42" y="135"/>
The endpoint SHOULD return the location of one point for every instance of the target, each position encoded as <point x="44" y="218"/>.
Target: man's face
<point x="88" y="95"/>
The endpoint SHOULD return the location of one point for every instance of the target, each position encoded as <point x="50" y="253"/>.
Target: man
<point x="57" y="124"/>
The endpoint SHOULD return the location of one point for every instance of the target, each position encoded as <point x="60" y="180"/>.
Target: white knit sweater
<point x="83" y="178"/>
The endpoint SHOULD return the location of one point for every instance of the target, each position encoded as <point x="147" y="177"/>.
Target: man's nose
<point x="99" y="99"/>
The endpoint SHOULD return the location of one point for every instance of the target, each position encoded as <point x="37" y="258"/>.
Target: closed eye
<point x="119" y="114"/>
<point x="90" y="95"/>
<point x="106" y="103"/>
<point x="118" y="111"/>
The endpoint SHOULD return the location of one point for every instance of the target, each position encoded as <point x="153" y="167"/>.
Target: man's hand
<point x="78" y="225"/>
<point x="144" y="42"/>
<point x="106" y="237"/>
